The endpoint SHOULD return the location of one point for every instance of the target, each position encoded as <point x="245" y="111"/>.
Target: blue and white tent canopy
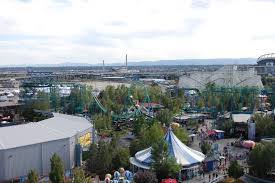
<point x="184" y="155"/>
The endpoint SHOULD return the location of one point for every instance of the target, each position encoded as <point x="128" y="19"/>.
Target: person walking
<point x="209" y="177"/>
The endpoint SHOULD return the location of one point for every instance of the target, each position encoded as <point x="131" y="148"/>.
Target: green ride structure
<point x="220" y="99"/>
<point x="130" y="109"/>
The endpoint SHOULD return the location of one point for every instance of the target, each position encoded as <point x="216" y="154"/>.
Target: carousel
<point x="190" y="159"/>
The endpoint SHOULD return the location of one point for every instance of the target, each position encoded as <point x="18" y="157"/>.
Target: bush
<point x="235" y="170"/>
<point x="121" y="158"/>
<point x="145" y="177"/>
<point x="33" y="176"/>
<point x="261" y="159"/>
<point x="231" y="180"/>
<point x="57" y="169"/>
<point x="205" y="147"/>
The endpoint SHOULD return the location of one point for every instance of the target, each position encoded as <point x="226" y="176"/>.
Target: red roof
<point x="211" y="132"/>
<point x="169" y="181"/>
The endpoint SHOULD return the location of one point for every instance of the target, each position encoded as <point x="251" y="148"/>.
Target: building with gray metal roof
<point x="30" y="146"/>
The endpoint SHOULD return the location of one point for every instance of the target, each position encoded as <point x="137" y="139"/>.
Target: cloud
<point x="54" y="31"/>
<point x="200" y="3"/>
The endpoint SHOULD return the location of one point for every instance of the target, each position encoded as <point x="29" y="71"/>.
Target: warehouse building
<point x="30" y="146"/>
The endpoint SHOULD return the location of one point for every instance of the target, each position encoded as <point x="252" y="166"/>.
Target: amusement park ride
<point x="132" y="108"/>
<point x="231" y="99"/>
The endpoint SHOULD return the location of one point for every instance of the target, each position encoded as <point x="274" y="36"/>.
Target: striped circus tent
<point x="183" y="154"/>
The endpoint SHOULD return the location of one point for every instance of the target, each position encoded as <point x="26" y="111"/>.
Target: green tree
<point x="265" y="126"/>
<point x="205" y="147"/>
<point x="227" y="127"/>
<point x="78" y="176"/>
<point x="200" y="102"/>
<point x="102" y="122"/>
<point x="148" y="136"/>
<point x="193" y="123"/>
<point x="172" y="104"/>
<point x="262" y="159"/>
<point x="42" y="102"/>
<point x="182" y="134"/>
<point x="80" y="98"/>
<point x="100" y="159"/>
<point x="139" y="125"/>
<point x="33" y="176"/>
<point x="135" y="146"/>
<point x="235" y="170"/>
<point x="57" y="169"/>
<point x="121" y="158"/>
<point x="165" y="116"/>
<point x="164" y="165"/>
<point x="55" y="99"/>
<point x="92" y="158"/>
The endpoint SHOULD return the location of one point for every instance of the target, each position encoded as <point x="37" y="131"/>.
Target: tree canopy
<point x="235" y="170"/>
<point x="148" y="136"/>
<point x="57" y="169"/>
<point x="262" y="159"/>
<point x="164" y="165"/>
<point x="265" y="126"/>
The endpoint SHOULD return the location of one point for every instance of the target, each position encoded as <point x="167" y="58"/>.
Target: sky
<point x="89" y="31"/>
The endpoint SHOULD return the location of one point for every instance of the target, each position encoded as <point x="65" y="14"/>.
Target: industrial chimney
<point x="103" y="66"/>
<point x="126" y="63"/>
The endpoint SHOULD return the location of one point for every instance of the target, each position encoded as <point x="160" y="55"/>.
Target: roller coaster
<point x="131" y="110"/>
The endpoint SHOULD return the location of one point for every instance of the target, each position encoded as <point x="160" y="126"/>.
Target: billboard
<point x="85" y="140"/>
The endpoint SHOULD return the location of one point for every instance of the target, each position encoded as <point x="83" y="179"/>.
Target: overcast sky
<point x="88" y="31"/>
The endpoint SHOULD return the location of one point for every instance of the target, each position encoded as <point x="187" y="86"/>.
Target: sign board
<point x="85" y="140"/>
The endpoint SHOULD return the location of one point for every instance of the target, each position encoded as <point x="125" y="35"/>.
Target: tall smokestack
<point x="103" y="66"/>
<point x="126" y="63"/>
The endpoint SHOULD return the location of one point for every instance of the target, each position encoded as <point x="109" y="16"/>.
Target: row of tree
<point x="228" y="99"/>
<point x="116" y="99"/>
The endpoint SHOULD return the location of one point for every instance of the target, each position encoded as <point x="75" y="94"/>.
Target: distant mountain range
<point x="216" y="61"/>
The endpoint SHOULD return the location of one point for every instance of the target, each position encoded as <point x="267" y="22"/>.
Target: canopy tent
<point x="184" y="155"/>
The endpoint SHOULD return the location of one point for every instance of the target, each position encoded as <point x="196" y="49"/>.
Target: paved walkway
<point x="205" y="179"/>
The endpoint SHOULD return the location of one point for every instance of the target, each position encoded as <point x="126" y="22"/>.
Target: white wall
<point x="60" y="147"/>
<point x="18" y="161"/>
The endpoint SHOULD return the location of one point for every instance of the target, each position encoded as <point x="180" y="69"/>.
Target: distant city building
<point x="31" y="146"/>
<point x="266" y="65"/>
<point x="228" y="76"/>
